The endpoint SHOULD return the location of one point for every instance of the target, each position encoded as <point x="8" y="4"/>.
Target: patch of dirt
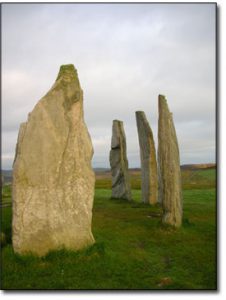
<point x="165" y="281"/>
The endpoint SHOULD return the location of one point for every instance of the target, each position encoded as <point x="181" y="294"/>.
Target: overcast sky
<point x="125" y="54"/>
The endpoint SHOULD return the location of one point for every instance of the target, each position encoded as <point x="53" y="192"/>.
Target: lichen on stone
<point x="69" y="101"/>
<point x="68" y="73"/>
<point x="67" y="82"/>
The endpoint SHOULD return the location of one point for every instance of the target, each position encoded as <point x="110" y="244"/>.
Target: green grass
<point x="132" y="250"/>
<point x="6" y="193"/>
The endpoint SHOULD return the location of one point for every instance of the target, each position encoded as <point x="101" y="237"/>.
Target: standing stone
<point x="149" y="177"/>
<point x="159" y="186"/>
<point x="119" y="164"/>
<point x="169" y="164"/>
<point x="53" y="181"/>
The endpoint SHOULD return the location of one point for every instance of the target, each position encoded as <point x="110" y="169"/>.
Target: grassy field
<point x="191" y="179"/>
<point x="132" y="250"/>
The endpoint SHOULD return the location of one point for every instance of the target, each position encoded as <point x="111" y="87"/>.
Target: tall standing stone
<point x="169" y="164"/>
<point x="149" y="177"/>
<point x="119" y="164"/>
<point x="53" y="181"/>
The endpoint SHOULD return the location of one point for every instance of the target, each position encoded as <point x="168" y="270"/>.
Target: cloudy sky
<point x="125" y="54"/>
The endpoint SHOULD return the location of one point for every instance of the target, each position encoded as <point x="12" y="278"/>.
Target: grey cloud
<point x="125" y="55"/>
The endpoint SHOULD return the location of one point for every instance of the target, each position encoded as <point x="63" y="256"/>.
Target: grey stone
<point x="121" y="187"/>
<point x="149" y="177"/>
<point x="169" y="164"/>
<point x="53" y="181"/>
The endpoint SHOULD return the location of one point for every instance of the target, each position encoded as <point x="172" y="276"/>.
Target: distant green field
<point x="132" y="250"/>
<point x="191" y="179"/>
<point x="199" y="179"/>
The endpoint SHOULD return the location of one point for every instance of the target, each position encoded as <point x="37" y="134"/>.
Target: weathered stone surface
<point x="53" y="181"/>
<point x="119" y="164"/>
<point x="169" y="164"/>
<point x="149" y="177"/>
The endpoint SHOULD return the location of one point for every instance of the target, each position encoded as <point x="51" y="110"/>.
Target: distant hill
<point x="7" y="172"/>
<point x="101" y="169"/>
<point x="198" y="166"/>
<point x="7" y="176"/>
<point x="183" y="167"/>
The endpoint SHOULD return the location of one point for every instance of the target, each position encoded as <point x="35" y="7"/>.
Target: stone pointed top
<point x="68" y="85"/>
<point x="118" y="130"/>
<point x="68" y="73"/>
<point x="115" y="121"/>
<point x="142" y="115"/>
<point x="140" y="112"/>
<point x="163" y="102"/>
<point x="162" y="97"/>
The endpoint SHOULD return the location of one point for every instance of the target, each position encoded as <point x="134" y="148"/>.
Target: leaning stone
<point x="53" y="181"/>
<point x="169" y="164"/>
<point x="149" y="177"/>
<point x="119" y="164"/>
